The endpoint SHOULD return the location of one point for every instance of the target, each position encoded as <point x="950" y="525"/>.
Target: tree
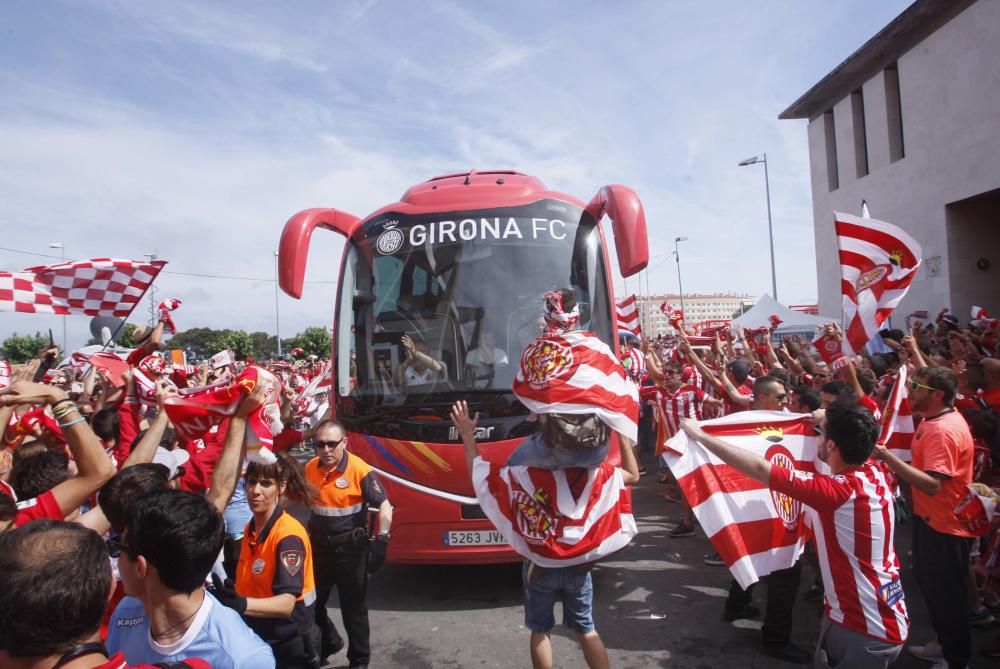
<point x="240" y="343"/>
<point x="314" y="341"/>
<point x="19" y="349"/>
<point x="202" y="342"/>
<point x="264" y="345"/>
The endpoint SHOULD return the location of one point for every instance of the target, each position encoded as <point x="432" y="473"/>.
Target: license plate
<point x="473" y="538"/>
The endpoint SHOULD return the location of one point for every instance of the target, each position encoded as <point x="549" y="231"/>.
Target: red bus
<point x="459" y="264"/>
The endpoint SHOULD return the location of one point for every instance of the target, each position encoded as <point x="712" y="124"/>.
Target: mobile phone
<point x="52" y="342"/>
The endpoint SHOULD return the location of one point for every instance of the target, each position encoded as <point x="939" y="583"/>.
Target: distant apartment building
<point x="910" y="124"/>
<point x="697" y="308"/>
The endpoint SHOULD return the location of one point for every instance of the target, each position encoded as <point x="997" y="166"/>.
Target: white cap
<point x="171" y="459"/>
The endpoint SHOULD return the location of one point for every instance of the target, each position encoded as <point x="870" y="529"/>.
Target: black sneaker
<point x="682" y="530"/>
<point x="788" y="652"/>
<point x="714" y="560"/>
<point x="749" y="611"/>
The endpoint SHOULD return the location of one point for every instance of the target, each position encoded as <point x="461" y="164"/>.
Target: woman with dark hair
<point x="274" y="590"/>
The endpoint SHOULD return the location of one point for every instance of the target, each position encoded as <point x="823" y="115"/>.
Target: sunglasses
<point x="323" y="444"/>
<point x="914" y="386"/>
<point x="116" y="548"/>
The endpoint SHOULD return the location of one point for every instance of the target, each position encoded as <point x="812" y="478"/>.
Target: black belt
<point x="356" y="538"/>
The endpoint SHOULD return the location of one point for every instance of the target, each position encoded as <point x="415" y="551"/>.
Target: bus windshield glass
<point x="445" y="303"/>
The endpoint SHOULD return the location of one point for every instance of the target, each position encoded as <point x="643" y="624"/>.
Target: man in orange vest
<point x="343" y="555"/>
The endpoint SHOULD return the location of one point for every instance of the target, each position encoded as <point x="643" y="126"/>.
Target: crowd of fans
<point x="954" y="392"/>
<point x="100" y="495"/>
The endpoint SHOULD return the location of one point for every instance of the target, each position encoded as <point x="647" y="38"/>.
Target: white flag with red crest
<point x="756" y="530"/>
<point x="878" y="261"/>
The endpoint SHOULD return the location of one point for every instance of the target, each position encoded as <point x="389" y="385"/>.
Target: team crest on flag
<point x="533" y="518"/>
<point x="788" y="509"/>
<point x="545" y="360"/>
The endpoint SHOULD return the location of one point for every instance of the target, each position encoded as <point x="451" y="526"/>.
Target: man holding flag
<point x="852" y="517"/>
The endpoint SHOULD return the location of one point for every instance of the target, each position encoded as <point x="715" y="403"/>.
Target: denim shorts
<point x="567" y="585"/>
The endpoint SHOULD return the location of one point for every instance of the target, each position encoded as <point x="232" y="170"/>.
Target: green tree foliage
<point x="264" y="345"/>
<point x="314" y="341"/>
<point x="22" y="348"/>
<point x="239" y="341"/>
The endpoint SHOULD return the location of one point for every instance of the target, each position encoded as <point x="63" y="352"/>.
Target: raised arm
<point x="227" y="469"/>
<point x="94" y="468"/>
<point x="746" y="462"/>
<point x="707" y="372"/>
<point x="146" y="448"/>
<point x="466" y="426"/>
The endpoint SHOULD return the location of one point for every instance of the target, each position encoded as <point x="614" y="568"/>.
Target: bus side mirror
<point x="628" y="220"/>
<point x="293" y="251"/>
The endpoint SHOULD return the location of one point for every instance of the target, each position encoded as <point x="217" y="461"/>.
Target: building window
<point x="830" y="135"/>
<point x="860" y="138"/>
<point x="894" y="113"/>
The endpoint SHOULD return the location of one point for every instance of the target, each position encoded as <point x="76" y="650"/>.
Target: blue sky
<point x="196" y="129"/>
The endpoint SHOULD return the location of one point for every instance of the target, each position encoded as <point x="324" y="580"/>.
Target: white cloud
<point x="196" y="130"/>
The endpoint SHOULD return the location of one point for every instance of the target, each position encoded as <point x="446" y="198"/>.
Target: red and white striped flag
<point x="576" y="373"/>
<point x="97" y="287"/>
<point x="756" y="530"/>
<point x="628" y="315"/>
<point x="543" y="522"/>
<point x="878" y="261"/>
<point x="897" y="419"/>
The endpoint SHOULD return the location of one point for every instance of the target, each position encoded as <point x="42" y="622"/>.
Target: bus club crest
<point x="544" y="361"/>
<point x="788" y="509"/>
<point x="391" y="239"/>
<point x="534" y="520"/>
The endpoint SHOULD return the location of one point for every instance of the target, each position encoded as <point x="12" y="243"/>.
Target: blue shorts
<point x="568" y="585"/>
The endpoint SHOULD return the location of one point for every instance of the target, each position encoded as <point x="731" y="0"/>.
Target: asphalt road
<point x="650" y="611"/>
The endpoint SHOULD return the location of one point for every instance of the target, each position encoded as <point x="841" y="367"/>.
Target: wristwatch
<point x="384" y="533"/>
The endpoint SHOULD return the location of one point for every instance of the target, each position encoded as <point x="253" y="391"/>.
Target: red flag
<point x="97" y="287"/>
<point x="541" y="520"/>
<point x="756" y="530"/>
<point x="878" y="261"/>
<point x="897" y="419"/>
<point x="627" y="311"/>
<point x="829" y="348"/>
<point x="576" y="373"/>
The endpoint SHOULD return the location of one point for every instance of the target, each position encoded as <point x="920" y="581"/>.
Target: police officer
<point x="343" y="554"/>
<point x="275" y="591"/>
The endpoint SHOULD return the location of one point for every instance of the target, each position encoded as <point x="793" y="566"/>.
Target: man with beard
<point x="942" y="467"/>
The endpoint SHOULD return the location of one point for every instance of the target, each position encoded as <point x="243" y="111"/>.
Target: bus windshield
<point x="440" y="305"/>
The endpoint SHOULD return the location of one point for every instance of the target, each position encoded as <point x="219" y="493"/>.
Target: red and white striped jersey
<point x="634" y="364"/>
<point x="686" y="402"/>
<point x="853" y="522"/>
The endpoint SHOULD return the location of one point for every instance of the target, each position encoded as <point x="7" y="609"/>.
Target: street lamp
<point x="770" y="233"/>
<point x="62" y="250"/>
<point x="277" y="324"/>
<point x="677" y="255"/>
